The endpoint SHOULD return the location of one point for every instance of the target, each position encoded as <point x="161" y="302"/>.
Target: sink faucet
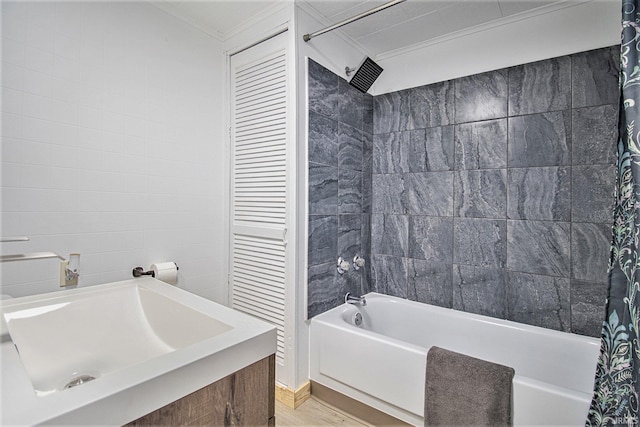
<point x="351" y="299"/>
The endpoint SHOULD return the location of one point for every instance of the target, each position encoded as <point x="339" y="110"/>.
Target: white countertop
<point x="133" y="391"/>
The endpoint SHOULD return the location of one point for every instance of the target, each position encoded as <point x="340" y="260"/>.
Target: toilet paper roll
<point x="165" y="271"/>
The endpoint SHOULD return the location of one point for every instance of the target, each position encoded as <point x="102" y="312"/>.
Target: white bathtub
<point x="382" y="363"/>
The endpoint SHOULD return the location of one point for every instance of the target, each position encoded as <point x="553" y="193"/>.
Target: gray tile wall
<point x="493" y="193"/>
<point x="490" y="194"/>
<point x="340" y="187"/>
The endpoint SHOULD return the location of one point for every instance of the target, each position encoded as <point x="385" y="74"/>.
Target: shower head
<point x="365" y="74"/>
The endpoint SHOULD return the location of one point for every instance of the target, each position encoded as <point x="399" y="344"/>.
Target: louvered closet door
<point x="259" y="138"/>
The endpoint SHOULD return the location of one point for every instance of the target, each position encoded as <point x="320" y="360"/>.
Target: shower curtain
<point x="616" y="389"/>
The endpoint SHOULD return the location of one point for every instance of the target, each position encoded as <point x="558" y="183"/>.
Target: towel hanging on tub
<point x="463" y="391"/>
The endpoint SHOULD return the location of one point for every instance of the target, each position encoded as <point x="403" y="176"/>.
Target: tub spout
<point x="351" y="299"/>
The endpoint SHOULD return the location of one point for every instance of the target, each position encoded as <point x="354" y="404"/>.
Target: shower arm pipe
<point x="308" y="37"/>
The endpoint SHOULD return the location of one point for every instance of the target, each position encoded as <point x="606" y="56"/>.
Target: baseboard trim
<point x="353" y="407"/>
<point x="292" y="398"/>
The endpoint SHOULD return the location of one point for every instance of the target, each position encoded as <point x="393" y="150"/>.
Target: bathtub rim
<point x="481" y="318"/>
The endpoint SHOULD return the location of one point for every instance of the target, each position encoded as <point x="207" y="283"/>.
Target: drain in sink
<point x="79" y="380"/>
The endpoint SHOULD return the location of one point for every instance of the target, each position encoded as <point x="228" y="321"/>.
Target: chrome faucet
<point x="350" y="299"/>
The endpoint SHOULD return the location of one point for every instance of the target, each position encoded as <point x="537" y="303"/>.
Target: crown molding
<point x="274" y="9"/>
<point x="172" y="10"/>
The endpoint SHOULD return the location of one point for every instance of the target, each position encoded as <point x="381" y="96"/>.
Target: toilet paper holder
<point x="139" y="272"/>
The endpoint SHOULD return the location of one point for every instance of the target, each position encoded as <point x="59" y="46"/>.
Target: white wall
<point x="111" y="133"/>
<point x="561" y="30"/>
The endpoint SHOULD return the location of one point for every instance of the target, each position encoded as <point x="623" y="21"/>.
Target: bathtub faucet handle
<point x="358" y="262"/>
<point x="343" y="265"/>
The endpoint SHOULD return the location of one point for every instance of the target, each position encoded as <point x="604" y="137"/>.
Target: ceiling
<point x="217" y="17"/>
<point x="400" y="26"/>
<point x="416" y="21"/>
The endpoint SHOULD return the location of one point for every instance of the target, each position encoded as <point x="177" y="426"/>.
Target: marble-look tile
<point x="588" y="307"/>
<point x="539" y="193"/>
<point x="481" y="145"/>
<point x="417" y="151"/>
<point x="595" y="135"/>
<point x="389" y="194"/>
<point x="432" y="105"/>
<point x="323" y="239"/>
<point x="349" y="147"/>
<point x="390" y="152"/>
<point x="430" y="193"/>
<point x="595" y="77"/>
<point x="539" y="247"/>
<point x="431" y="238"/>
<point x="479" y="242"/>
<point x="540" y="139"/>
<point x="350" y="105"/>
<point x="538" y="300"/>
<point x="367" y="114"/>
<point x="389" y="275"/>
<point x="540" y="86"/>
<point x="391" y="112"/>
<point x="481" y="96"/>
<point x="323" y="90"/>
<point x="323" y="189"/>
<point x="439" y="145"/>
<point x="349" y="191"/>
<point x="542" y="196"/>
<point x="367" y="281"/>
<point x="592" y="193"/>
<point x="367" y="172"/>
<point x="323" y="140"/>
<point x="590" y="251"/>
<point x="480" y="193"/>
<point x="365" y="235"/>
<point x="479" y="290"/>
<point x="365" y="238"/>
<point x="389" y="235"/>
<point x="429" y="282"/>
<point x="431" y="149"/>
<point x="324" y="293"/>
<point x="349" y="236"/>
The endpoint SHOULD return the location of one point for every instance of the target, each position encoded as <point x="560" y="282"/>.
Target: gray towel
<point x="461" y="390"/>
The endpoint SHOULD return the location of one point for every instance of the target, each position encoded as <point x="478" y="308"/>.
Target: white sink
<point x="84" y="350"/>
<point x="91" y="335"/>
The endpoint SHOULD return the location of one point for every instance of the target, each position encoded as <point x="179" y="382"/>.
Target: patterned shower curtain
<point x="616" y="390"/>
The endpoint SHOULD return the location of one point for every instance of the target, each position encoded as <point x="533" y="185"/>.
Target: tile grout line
<point x="454" y="170"/>
<point x="571" y="109"/>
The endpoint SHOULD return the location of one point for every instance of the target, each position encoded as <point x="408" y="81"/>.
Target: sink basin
<point x="88" y="336"/>
<point x="72" y="357"/>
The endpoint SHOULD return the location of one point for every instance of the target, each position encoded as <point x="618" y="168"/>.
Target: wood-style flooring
<point x="314" y="412"/>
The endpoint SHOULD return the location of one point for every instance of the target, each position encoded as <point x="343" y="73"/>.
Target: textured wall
<point x="111" y="144"/>
<point x="340" y="148"/>
<point x="492" y="193"/>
